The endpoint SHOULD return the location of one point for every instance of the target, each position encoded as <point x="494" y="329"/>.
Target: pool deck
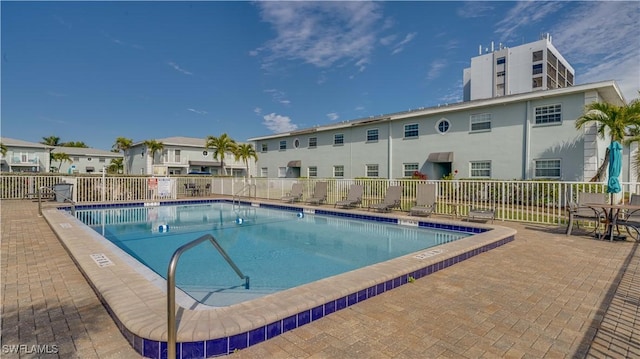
<point x="542" y="295"/>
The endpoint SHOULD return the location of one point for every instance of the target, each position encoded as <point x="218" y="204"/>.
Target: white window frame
<point x="264" y="147"/>
<point x="370" y="135"/>
<point x="545" y="115"/>
<point x="480" y="118"/>
<point x="282" y="172"/>
<point x="372" y="168"/>
<point x="473" y="172"/>
<point x="409" y="130"/>
<point x="536" y="162"/>
<point x="264" y="172"/>
<point x="314" y="144"/>
<point x="337" y="142"/>
<point x="408" y="169"/>
<point x="283" y="145"/>
<point x="440" y="121"/>
<point x="313" y="171"/>
<point x="338" y="171"/>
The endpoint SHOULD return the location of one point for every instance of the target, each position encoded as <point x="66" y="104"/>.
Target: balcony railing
<point x="523" y="201"/>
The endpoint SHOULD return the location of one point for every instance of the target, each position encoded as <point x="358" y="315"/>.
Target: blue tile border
<point x="227" y="345"/>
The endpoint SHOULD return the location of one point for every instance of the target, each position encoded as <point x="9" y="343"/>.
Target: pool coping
<point x="138" y="306"/>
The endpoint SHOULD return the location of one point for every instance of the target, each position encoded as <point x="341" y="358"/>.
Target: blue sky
<point x="94" y="71"/>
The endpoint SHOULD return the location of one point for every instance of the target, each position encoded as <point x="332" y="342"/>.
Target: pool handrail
<point x="171" y="286"/>
<point x="66" y="199"/>
<point x="236" y="196"/>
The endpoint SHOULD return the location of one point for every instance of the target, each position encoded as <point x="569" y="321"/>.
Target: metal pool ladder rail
<point x="171" y="286"/>
<point x="236" y="196"/>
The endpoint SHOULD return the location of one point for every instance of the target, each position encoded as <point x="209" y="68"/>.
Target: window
<point x="282" y="172"/>
<point x="264" y="172"/>
<point x="500" y="61"/>
<point x="500" y="90"/>
<point x="101" y="160"/>
<point x="411" y="131"/>
<point x="24" y="158"/>
<point x="409" y="168"/>
<point x="372" y="170"/>
<point x="481" y="169"/>
<point x="338" y="139"/>
<point x="537" y="69"/>
<point x="313" y="142"/>
<point x="89" y="159"/>
<point x="500" y="73"/>
<point x="537" y="82"/>
<point x="480" y="122"/>
<point x="537" y="56"/>
<point x="372" y="135"/>
<point x="547" y="168"/>
<point x="176" y="156"/>
<point x="443" y="126"/>
<point x="283" y="145"/>
<point x="338" y="171"/>
<point x="551" y="58"/>
<point x="296" y="143"/>
<point x="263" y="147"/>
<point x="569" y="79"/>
<point x="313" y="171"/>
<point x="548" y="114"/>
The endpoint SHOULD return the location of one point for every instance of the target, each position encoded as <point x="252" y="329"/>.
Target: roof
<point x="607" y="90"/>
<point x="179" y="141"/>
<point x="12" y="142"/>
<point x="83" y="151"/>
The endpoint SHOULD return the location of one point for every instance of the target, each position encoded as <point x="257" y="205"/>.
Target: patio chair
<point x="295" y="195"/>
<point x="391" y="200"/>
<point x="425" y="200"/>
<point x="354" y="197"/>
<point x="631" y="219"/>
<point x="319" y="194"/>
<point x="580" y="210"/>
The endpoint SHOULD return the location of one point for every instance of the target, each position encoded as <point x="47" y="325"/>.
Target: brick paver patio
<point x="543" y="295"/>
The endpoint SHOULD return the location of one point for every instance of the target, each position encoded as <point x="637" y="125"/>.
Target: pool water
<point x="276" y="249"/>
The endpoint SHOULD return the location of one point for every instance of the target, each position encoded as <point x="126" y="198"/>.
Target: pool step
<point x="226" y="296"/>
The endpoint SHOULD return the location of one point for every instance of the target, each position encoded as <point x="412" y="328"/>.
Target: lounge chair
<point x="391" y="200"/>
<point x="354" y="197"/>
<point x="581" y="211"/>
<point x="319" y="194"/>
<point x="425" y="200"/>
<point x="295" y="194"/>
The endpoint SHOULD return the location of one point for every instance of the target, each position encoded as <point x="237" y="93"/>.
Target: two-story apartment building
<point x="83" y="160"/>
<point x="182" y="155"/>
<point x="24" y="156"/>
<point x="522" y="136"/>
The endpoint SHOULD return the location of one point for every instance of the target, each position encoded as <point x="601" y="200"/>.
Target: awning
<point x="440" y="157"/>
<point x="296" y="163"/>
<point x="89" y="168"/>
<point x="204" y="163"/>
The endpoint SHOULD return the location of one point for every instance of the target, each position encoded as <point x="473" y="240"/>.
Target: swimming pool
<point x="277" y="249"/>
<point x="137" y="300"/>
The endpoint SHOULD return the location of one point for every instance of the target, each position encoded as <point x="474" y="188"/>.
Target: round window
<point x="204" y="153"/>
<point x="443" y="126"/>
<point x="296" y="143"/>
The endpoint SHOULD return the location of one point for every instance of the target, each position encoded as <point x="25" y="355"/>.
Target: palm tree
<point x="62" y="157"/>
<point x="51" y="141"/>
<point x="3" y="149"/>
<point x="633" y="110"/>
<point x="75" y="144"/>
<point x="618" y="121"/>
<point x="153" y="146"/>
<point x="122" y="144"/>
<point x="115" y="166"/>
<point x="245" y="152"/>
<point x="221" y="145"/>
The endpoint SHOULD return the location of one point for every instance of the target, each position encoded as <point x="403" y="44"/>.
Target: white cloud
<point x="388" y="40"/>
<point x="178" y="68"/>
<point x="473" y="9"/>
<point x="278" y="96"/>
<point x="333" y="116"/>
<point x="278" y="123"/>
<point x="359" y="108"/>
<point x="525" y="13"/>
<point x="320" y="33"/>
<point x="435" y="69"/>
<point x="257" y="110"/>
<point x="196" y="111"/>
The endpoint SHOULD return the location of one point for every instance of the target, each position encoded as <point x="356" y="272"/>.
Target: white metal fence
<point x="525" y="201"/>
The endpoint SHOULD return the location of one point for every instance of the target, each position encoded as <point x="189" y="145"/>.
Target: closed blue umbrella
<point x="615" y="165"/>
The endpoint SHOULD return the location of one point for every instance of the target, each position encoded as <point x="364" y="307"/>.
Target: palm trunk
<point x="602" y="168"/>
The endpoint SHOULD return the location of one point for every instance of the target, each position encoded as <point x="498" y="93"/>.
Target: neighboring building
<point x="524" y="136"/>
<point x="83" y="160"/>
<point x="508" y="71"/>
<point x="182" y="155"/>
<point x="23" y="156"/>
